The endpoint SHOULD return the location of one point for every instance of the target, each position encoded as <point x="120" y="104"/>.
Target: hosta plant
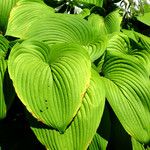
<point x="80" y="70"/>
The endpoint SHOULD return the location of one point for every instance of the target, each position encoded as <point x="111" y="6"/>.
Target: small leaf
<point x="136" y="145"/>
<point x="6" y="88"/>
<point x="98" y="143"/>
<point x="144" y="18"/>
<point x="111" y="23"/>
<point x="94" y="2"/>
<point x="5" y="8"/>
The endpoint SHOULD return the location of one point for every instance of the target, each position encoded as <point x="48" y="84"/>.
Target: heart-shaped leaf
<point x="82" y="129"/>
<point x="50" y="81"/>
<point x="128" y="86"/>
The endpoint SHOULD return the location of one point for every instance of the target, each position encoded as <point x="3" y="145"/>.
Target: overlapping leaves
<point x="55" y="28"/>
<point x="52" y="74"/>
<point x="58" y="87"/>
<point x="111" y="23"/>
<point x="50" y="81"/>
<point x="144" y="18"/>
<point x="6" y="89"/>
<point x="98" y="143"/>
<point x="82" y="129"/>
<point x="127" y="84"/>
<point x="137" y="146"/>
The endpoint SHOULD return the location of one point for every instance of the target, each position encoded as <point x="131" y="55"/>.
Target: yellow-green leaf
<point x="50" y="81"/>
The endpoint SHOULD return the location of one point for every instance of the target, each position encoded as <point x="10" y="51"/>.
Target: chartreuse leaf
<point x="143" y="40"/>
<point x="21" y="17"/>
<point x="5" y="8"/>
<point x="111" y="23"/>
<point x="98" y="143"/>
<point x="136" y="145"/>
<point x="56" y="28"/>
<point x="82" y="129"/>
<point x="39" y="1"/>
<point x="101" y="138"/>
<point x="143" y="43"/>
<point x="129" y="33"/>
<point x="50" y="81"/>
<point x="94" y="2"/>
<point x="144" y="18"/>
<point x="6" y="90"/>
<point x="127" y="84"/>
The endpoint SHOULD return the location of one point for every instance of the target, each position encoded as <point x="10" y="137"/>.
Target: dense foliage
<point x="76" y="73"/>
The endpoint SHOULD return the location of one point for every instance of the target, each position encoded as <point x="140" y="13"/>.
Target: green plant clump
<point x="74" y="75"/>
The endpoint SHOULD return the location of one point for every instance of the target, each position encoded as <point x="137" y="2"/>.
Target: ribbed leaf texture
<point x="136" y="145"/>
<point x="98" y="143"/>
<point x="5" y="8"/>
<point x="111" y="23"/>
<point x="82" y="129"/>
<point x="6" y="89"/>
<point x="127" y="82"/>
<point x="21" y="17"/>
<point x="54" y="28"/>
<point x="50" y="81"/>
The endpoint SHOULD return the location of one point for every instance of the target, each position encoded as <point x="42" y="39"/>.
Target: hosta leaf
<point x="21" y="17"/>
<point x="3" y="108"/>
<point x="6" y="90"/>
<point x="98" y="24"/>
<point x="130" y="34"/>
<point x="95" y="2"/>
<point x="98" y="143"/>
<point x="136" y="145"/>
<point x="58" y="28"/>
<point x="127" y="84"/>
<point x="5" y="8"/>
<point x="141" y="42"/>
<point x="146" y="8"/>
<point x="51" y="82"/>
<point x="81" y="131"/>
<point x="144" y="18"/>
<point x="111" y="23"/>
<point x="4" y="44"/>
<point x="39" y="1"/>
<point x="100" y="139"/>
